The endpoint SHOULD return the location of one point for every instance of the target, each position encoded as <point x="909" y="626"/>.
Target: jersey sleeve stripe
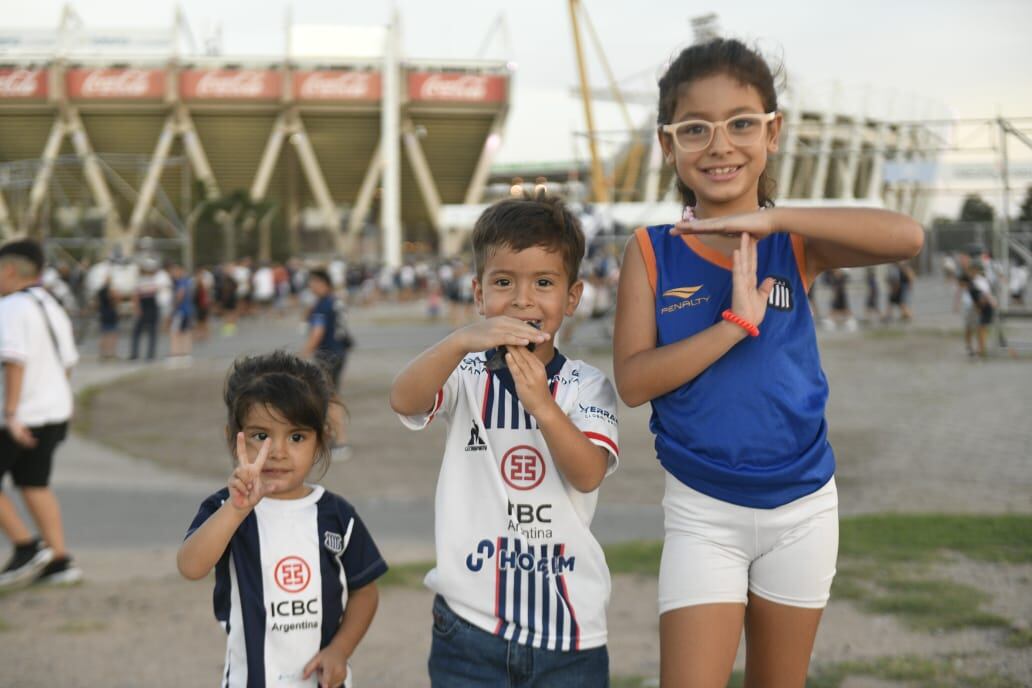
<point x="485" y="406"/>
<point x="438" y="402"/>
<point x="647" y="254"/>
<point x="799" y="249"/>
<point x="601" y="440"/>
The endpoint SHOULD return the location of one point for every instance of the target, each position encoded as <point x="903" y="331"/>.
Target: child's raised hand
<point x="331" y="667"/>
<point x="245" y="485"/>
<point x="500" y="331"/>
<point x="747" y="300"/>
<point x="528" y="373"/>
<point x="759" y="224"/>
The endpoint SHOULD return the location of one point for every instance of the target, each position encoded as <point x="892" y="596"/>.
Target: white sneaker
<point x="26" y="563"/>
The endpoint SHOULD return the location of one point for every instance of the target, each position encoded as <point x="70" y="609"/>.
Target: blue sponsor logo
<point x="518" y="561"/>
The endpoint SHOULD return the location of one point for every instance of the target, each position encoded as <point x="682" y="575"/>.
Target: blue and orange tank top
<point x="750" y="429"/>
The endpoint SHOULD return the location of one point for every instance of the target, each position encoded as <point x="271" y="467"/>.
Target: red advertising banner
<point x="230" y="84"/>
<point x="121" y="84"/>
<point x="23" y="83"/>
<point x="463" y="88"/>
<point x="337" y="85"/>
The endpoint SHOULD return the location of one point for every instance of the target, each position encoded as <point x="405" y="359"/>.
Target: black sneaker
<point x="26" y="563"/>
<point x="61" y="571"/>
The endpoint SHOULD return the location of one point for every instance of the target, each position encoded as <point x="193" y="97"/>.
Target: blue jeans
<point x="464" y="656"/>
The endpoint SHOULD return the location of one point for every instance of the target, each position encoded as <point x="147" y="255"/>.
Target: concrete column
<point x="113" y="231"/>
<point x="46" y="170"/>
<point x="475" y="190"/>
<point x="789" y="145"/>
<point x="365" y="197"/>
<point x="425" y="180"/>
<point x="390" y="200"/>
<point x="819" y="180"/>
<point x="152" y="178"/>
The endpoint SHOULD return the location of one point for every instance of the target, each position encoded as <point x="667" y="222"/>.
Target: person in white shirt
<point x="522" y="585"/>
<point x="38" y="351"/>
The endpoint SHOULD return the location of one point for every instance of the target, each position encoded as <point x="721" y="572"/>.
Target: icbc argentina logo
<point x="292" y="574"/>
<point x="523" y="467"/>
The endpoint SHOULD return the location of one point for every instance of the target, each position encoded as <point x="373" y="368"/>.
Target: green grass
<point x="81" y="626"/>
<point x="1017" y="638"/>
<point x="883" y="562"/>
<point x="910" y="538"/>
<point x="406" y="575"/>
<point x="932" y="604"/>
<point x="891" y="538"/>
<point x="917" y="672"/>
<point x="83" y="404"/>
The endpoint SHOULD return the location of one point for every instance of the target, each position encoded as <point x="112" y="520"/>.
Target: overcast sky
<point x="973" y="57"/>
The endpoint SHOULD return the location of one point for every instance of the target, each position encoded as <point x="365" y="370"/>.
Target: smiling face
<point x="292" y="451"/>
<point x="531" y="285"/>
<point x="724" y="176"/>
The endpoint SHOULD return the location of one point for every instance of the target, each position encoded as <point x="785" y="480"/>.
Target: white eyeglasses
<point x="694" y="135"/>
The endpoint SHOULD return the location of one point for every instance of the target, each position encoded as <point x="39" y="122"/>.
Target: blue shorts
<point x="464" y="656"/>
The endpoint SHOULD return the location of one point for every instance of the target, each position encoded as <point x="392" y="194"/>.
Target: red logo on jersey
<point x="292" y="574"/>
<point x="523" y="467"/>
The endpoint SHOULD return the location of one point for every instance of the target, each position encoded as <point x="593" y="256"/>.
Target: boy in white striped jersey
<point x="522" y="584"/>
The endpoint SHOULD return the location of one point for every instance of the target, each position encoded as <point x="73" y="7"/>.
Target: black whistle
<point x="497" y="360"/>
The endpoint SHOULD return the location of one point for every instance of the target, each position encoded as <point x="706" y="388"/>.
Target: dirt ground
<point x="916" y="427"/>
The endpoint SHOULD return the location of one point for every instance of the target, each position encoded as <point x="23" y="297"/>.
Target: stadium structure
<point x="116" y="132"/>
<point x="113" y="135"/>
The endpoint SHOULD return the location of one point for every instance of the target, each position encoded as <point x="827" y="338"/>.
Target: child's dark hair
<point x="294" y="388"/>
<point x="521" y="222"/>
<point x="321" y="274"/>
<point x="718" y="56"/>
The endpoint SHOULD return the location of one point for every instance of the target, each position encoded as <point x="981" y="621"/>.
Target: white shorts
<point x="716" y="551"/>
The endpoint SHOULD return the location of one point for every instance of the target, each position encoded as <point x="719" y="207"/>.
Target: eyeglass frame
<point x="765" y="118"/>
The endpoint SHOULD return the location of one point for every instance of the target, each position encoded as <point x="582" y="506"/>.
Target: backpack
<point x="341" y="333"/>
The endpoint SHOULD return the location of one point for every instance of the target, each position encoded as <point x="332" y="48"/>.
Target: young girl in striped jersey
<point x="294" y="565"/>
<point x="714" y="330"/>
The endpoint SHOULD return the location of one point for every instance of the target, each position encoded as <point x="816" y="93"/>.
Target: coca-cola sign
<point x="337" y="85"/>
<point x="230" y="84"/>
<point x="464" y="88"/>
<point x="23" y="83"/>
<point x="123" y="84"/>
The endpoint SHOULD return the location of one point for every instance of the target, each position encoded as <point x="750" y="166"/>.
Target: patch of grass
<point x="83" y="408"/>
<point x="920" y="672"/>
<point x="1016" y="638"/>
<point x="82" y="626"/>
<point x="406" y="575"/>
<point x="634" y="557"/>
<point x="933" y="604"/>
<point x="877" y="558"/>
<point x="908" y="537"/>
<point x="917" y="672"/>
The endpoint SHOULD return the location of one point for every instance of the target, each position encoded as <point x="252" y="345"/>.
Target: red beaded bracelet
<point x="730" y="316"/>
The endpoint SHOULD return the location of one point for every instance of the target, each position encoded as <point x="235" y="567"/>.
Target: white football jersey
<point x="515" y="555"/>
<point x="282" y="584"/>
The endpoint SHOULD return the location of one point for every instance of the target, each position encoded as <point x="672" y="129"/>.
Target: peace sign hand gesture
<point x="245" y="485"/>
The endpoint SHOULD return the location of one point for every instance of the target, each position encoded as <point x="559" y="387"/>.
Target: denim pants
<point x="464" y="656"/>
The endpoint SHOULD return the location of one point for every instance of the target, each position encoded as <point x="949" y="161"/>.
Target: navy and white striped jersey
<point x="282" y="585"/>
<point x="515" y="555"/>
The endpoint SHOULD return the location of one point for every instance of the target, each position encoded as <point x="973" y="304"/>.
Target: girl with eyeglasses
<point x="713" y="328"/>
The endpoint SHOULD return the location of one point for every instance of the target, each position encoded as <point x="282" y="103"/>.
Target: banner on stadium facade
<point x="120" y="84"/>
<point x="28" y="84"/>
<point x="230" y="84"/>
<point x="337" y="85"/>
<point x="456" y="88"/>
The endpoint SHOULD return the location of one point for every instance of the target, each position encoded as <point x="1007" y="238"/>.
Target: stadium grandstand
<point x="109" y="136"/>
